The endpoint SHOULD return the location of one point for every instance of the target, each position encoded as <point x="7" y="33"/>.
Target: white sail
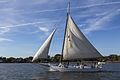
<point x="42" y="53"/>
<point x="76" y="45"/>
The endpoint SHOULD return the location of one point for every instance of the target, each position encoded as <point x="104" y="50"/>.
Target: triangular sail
<point x="76" y="45"/>
<point x="42" y="53"/>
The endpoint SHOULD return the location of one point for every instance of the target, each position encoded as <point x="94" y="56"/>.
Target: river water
<point x="28" y="71"/>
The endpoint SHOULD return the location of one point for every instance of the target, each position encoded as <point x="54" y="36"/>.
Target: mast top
<point x="68" y="8"/>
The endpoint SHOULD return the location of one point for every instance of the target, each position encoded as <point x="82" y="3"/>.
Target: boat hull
<point x="73" y="69"/>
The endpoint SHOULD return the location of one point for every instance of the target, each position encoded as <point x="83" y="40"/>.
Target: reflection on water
<point x="78" y="76"/>
<point x="38" y="72"/>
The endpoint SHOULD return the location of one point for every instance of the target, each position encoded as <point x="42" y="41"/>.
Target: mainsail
<point x="42" y="53"/>
<point x="76" y="45"/>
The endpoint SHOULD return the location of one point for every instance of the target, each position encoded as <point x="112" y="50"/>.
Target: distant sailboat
<point x="42" y="53"/>
<point x="75" y="47"/>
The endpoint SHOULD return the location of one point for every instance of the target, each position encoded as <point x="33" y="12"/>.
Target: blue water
<point x="30" y="71"/>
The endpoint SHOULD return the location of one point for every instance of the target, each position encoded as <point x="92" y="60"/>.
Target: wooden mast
<point x="68" y="12"/>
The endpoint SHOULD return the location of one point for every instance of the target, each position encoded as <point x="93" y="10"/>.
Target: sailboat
<point x="42" y="53"/>
<point x="76" y="47"/>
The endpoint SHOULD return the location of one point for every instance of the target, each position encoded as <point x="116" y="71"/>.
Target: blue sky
<point x="25" y="24"/>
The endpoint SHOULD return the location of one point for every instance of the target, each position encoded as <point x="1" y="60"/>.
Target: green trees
<point x="15" y="60"/>
<point x="54" y="59"/>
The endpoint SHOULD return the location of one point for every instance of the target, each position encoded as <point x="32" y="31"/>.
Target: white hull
<point x="73" y="69"/>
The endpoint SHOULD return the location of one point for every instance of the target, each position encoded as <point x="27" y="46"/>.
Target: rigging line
<point x="64" y="38"/>
<point x="65" y="32"/>
<point x="57" y="23"/>
<point x="55" y="27"/>
<point x="62" y="18"/>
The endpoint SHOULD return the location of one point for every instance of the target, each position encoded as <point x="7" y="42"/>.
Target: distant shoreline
<point x="113" y="58"/>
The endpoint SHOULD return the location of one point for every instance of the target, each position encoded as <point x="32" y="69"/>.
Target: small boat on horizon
<point x="75" y="47"/>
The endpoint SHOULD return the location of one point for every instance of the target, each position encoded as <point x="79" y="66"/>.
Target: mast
<point x="68" y="12"/>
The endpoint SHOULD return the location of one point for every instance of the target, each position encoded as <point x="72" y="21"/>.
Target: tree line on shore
<point x="55" y="58"/>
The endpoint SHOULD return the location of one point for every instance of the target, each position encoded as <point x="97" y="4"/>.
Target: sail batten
<point x="76" y="45"/>
<point x="42" y="53"/>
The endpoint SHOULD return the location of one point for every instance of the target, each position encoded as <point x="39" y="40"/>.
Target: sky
<point x="26" y="24"/>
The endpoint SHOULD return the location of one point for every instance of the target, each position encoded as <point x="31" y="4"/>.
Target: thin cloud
<point x="50" y="10"/>
<point x="94" y="5"/>
<point x="3" y="30"/>
<point x="54" y="10"/>
<point x="5" y="40"/>
<point x="25" y="24"/>
<point x="44" y="29"/>
<point x="79" y="7"/>
<point x="4" y="1"/>
<point x="44" y="1"/>
<point x="99" y="24"/>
